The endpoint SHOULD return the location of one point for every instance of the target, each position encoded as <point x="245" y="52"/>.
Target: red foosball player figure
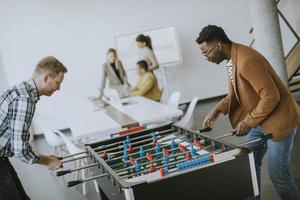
<point x="162" y="172"/>
<point x="181" y="147"/>
<point x="197" y="143"/>
<point x="166" y="152"/>
<point x="105" y="155"/>
<point x="154" y="142"/>
<point x="212" y="158"/>
<point x="188" y="156"/>
<point x="132" y="161"/>
<point x="130" y="149"/>
<point x="149" y="157"/>
<point x="152" y="168"/>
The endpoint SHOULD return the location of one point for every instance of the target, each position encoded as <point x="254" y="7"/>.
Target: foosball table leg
<point x="102" y="195"/>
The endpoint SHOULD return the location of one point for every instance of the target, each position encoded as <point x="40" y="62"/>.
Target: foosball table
<point x="169" y="162"/>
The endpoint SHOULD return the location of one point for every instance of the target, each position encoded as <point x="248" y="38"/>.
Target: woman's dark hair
<point x="144" y="38"/>
<point x="111" y="50"/>
<point x="212" y="33"/>
<point x="143" y="64"/>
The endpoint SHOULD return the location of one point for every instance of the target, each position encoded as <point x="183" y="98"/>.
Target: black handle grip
<point x="60" y="158"/>
<point x="61" y="173"/>
<point x="266" y="137"/>
<point x="73" y="183"/>
<point x="205" y="129"/>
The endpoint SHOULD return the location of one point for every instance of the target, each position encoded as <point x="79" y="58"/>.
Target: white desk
<point x="147" y="111"/>
<point x="85" y="120"/>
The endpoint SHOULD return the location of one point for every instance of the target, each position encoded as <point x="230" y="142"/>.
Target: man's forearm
<point x="223" y="105"/>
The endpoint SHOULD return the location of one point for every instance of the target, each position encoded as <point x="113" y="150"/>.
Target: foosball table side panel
<point x="109" y="188"/>
<point x="232" y="179"/>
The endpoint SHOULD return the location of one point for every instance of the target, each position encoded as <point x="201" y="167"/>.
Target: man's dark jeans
<point x="10" y="185"/>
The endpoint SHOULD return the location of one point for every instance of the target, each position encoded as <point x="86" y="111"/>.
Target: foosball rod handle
<point x="71" y="155"/>
<point x="61" y="173"/>
<point x="73" y="183"/>
<point x="205" y="129"/>
<point x="265" y="137"/>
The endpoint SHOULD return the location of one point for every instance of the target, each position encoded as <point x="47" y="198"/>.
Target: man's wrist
<point x="43" y="160"/>
<point x="217" y="111"/>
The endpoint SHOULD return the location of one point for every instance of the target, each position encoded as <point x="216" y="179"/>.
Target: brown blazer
<point x="258" y="96"/>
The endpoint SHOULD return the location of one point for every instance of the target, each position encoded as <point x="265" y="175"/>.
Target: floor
<point x="42" y="184"/>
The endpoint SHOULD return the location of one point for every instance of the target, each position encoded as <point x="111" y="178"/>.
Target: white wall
<point x="3" y="79"/>
<point x="79" y="33"/>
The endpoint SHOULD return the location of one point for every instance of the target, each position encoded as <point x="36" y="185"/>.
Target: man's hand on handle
<point x="211" y="118"/>
<point x="242" y="129"/>
<point x="52" y="162"/>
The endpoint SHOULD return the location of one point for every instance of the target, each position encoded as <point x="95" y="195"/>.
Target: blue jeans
<point x="279" y="155"/>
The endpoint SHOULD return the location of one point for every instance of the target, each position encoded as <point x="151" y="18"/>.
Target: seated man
<point x="147" y="85"/>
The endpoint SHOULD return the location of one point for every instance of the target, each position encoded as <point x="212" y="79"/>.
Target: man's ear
<point x="220" y="46"/>
<point x="46" y="77"/>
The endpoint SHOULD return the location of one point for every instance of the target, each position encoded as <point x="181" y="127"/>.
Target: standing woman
<point x="113" y="71"/>
<point x="146" y="51"/>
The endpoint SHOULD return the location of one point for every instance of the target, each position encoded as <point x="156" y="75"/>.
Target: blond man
<point x="17" y="107"/>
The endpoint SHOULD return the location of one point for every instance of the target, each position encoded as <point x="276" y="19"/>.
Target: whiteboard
<point x="164" y="41"/>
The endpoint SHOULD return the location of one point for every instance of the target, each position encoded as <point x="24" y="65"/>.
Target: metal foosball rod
<point x="84" y="152"/>
<point x="161" y="159"/>
<point x="68" y="171"/>
<point x="133" y="139"/>
<point x="77" y="158"/>
<point x="71" y="155"/>
<point x="81" y="157"/>
<point x="133" y="143"/>
<point x="73" y="159"/>
<point x="147" y="151"/>
<point x="207" y="129"/>
<point x="179" y="158"/>
<point x="73" y="183"/>
<point x="265" y="137"/>
<point x="145" y="145"/>
<point x="136" y="153"/>
<point x="112" y="144"/>
<point x="174" y="163"/>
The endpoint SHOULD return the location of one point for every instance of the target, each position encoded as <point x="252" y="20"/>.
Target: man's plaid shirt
<point x="17" y="106"/>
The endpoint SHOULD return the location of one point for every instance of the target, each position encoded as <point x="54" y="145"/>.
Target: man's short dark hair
<point x="143" y="64"/>
<point x="212" y="33"/>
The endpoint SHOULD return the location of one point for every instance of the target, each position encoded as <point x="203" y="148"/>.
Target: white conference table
<point x="89" y="121"/>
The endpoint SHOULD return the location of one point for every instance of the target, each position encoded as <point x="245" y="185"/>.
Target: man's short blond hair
<point x="50" y="64"/>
